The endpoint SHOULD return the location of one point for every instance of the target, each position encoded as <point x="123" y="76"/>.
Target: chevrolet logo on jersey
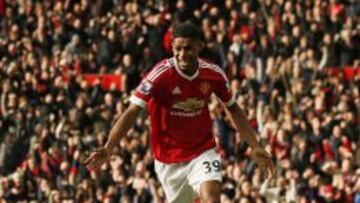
<point x="190" y="104"/>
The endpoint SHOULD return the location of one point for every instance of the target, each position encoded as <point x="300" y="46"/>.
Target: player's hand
<point x="98" y="157"/>
<point x="264" y="161"/>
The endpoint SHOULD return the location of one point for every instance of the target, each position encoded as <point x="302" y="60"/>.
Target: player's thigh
<point x="173" y="178"/>
<point x="210" y="191"/>
<point x="205" y="168"/>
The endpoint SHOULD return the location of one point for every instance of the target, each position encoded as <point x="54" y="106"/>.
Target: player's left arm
<point x="241" y="123"/>
<point x="223" y="92"/>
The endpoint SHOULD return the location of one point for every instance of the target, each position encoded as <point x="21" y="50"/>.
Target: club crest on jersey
<point x="204" y="87"/>
<point x="145" y="87"/>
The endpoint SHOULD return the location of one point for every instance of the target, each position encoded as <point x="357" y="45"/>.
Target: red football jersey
<point x="181" y="127"/>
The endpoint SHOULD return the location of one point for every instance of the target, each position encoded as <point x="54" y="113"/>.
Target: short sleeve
<point x="223" y="91"/>
<point x="143" y="93"/>
<point x="148" y="86"/>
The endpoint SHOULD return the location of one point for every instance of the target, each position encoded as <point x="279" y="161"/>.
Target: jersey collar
<point x="183" y="75"/>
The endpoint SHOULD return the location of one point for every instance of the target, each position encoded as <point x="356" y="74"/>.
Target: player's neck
<point x="190" y="71"/>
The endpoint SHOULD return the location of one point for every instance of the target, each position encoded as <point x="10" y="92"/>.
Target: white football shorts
<point x="181" y="181"/>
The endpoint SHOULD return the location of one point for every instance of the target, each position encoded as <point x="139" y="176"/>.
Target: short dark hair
<point x="187" y="30"/>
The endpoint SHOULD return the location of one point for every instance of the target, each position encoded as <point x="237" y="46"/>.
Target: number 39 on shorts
<point x="210" y="166"/>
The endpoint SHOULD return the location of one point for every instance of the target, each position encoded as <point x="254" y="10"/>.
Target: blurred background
<point x="67" y="68"/>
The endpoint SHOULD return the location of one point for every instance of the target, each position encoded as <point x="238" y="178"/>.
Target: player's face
<point x="186" y="52"/>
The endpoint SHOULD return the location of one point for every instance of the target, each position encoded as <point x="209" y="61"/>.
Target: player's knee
<point x="212" y="200"/>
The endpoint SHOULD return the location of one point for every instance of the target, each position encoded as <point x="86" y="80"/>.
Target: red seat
<point x="106" y="80"/>
<point x="349" y="73"/>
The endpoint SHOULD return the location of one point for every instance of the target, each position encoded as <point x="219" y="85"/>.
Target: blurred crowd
<point x="276" y="53"/>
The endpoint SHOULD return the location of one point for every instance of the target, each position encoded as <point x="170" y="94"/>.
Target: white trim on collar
<point x="182" y="74"/>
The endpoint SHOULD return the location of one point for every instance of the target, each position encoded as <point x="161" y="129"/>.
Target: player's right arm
<point x="146" y="90"/>
<point x="121" y="127"/>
